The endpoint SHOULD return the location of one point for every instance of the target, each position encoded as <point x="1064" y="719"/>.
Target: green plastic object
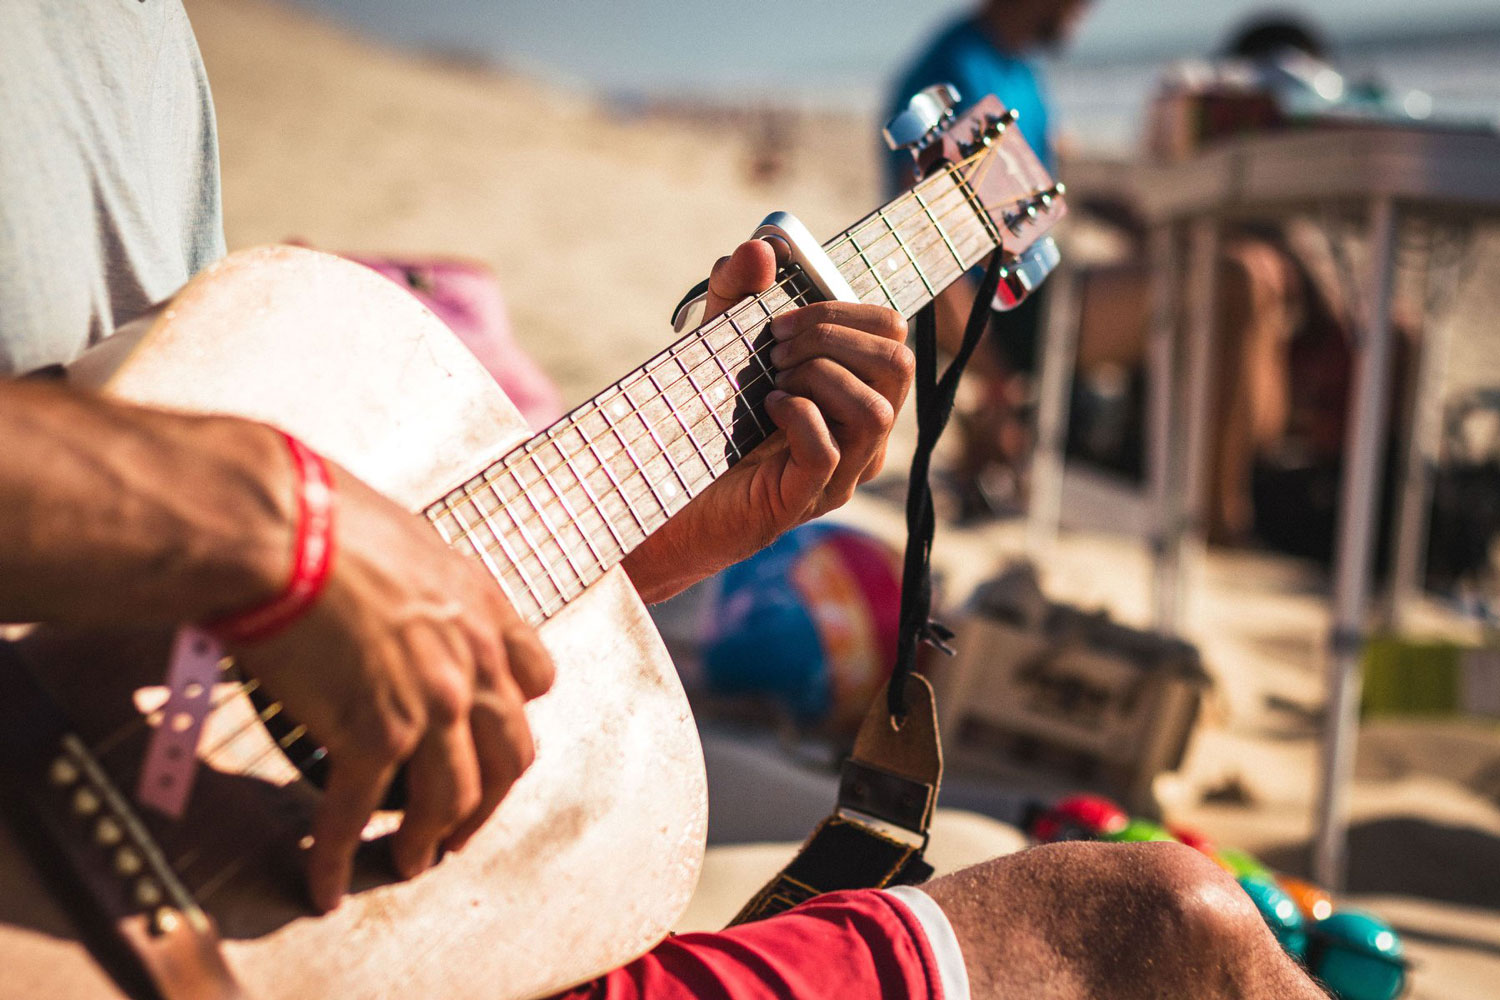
<point x="1357" y="956"/>
<point x="1280" y="913"/>
<point x="1139" y="831"/>
<point x="1243" y="865"/>
<point x="1406" y="677"/>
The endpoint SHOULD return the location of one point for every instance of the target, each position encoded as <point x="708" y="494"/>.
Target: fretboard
<point x="557" y="512"/>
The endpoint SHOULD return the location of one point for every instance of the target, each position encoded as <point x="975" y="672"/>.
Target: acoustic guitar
<point x="597" y="849"/>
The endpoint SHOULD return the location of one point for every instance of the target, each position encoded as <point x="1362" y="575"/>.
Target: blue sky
<point x="698" y="47"/>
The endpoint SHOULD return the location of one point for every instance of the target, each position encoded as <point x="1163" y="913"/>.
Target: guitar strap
<point x="888" y="787"/>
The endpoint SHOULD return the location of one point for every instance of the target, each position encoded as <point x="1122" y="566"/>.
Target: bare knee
<point x="1120" y="920"/>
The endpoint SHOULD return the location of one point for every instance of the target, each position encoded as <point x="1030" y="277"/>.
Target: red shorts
<point x="840" y="945"/>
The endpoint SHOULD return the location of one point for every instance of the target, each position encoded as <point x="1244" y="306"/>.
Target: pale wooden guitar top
<point x="595" y="851"/>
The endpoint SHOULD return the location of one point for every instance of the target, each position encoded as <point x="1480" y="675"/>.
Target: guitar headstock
<point x="987" y="152"/>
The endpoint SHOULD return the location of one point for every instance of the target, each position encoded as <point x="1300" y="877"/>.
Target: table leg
<point x="1161" y="359"/>
<point x="1202" y="330"/>
<point x="1356" y="527"/>
<point x="1059" y="357"/>
<point x="1424" y="440"/>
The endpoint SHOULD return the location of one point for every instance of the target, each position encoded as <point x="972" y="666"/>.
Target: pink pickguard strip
<point x="171" y="755"/>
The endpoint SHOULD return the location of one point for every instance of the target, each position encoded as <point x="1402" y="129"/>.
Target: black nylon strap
<point x="934" y="405"/>
<point x="840" y="854"/>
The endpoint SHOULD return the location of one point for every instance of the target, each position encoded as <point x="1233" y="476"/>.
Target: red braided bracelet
<point x="312" y="555"/>
<point x="167" y="772"/>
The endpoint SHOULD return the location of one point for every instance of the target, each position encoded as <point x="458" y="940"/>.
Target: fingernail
<point x="776" y="396"/>
<point x="781" y="327"/>
<point x="780" y="353"/>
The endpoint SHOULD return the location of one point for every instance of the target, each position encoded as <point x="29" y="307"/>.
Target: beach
<point x="597" y="216"/>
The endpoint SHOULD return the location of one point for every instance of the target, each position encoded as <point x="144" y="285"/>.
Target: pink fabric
<point x="843" y="945"/>
<point x="465" y="295"/>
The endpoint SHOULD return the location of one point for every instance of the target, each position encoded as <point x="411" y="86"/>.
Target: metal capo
<point x="795" y="247"/>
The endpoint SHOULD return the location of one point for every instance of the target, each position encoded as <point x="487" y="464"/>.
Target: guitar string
<point x="567" y="495"/>
<point x="715" y="436"/>
<point x="536" y="451"/>
<point x="531" y="449"/>
<point x="541" y="524"/>
<point x="220" y="878"/>
<point x="714" y="355"/>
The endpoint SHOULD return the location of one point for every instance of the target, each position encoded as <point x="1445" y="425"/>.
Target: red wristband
<point x="312" y="554"/>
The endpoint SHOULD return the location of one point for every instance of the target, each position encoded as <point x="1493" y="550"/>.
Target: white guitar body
<point x="594" y="852"/>
<point x="597" y="849"/>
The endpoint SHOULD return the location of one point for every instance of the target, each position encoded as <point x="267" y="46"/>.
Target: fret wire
<point x="588" y="492"/>
<point x="479" y="550"/>
<point x="902" y="243"/>
<point x="765" y="373"/>
<point x="520" y="587"/>
<point x="520" y="523"/>
<point x="686" y="430"/>
<point x="640" y="416"/>
<point x="870" y="269"/>
<point x="941" y="231"/>
<point x="739" y="391"/>
<point x="710" y="406"/>
<point x="615" y="480"/>
<point x="572" y="520"/>
<point x="517" y="560"/>
<point x="635" y="460"/>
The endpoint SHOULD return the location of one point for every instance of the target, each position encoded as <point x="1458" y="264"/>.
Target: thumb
<point x="750" y="269"/>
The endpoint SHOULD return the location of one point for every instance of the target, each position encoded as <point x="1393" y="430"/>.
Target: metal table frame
<point x="1387" y="174"/>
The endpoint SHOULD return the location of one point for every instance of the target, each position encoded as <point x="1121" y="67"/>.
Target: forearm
<point x="663" y="566"/>
<point x="111" y="513"/>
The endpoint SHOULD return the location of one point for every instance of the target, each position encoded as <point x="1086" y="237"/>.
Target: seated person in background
<point x="992" y="50"/>
<point x="1283" y="363"/>
<point x="111" y="512"/>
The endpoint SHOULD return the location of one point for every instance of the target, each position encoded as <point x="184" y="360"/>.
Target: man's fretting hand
<point x="843" y="372"/>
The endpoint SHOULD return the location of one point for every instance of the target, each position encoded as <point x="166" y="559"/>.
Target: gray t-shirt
<point x="109" y="178"/>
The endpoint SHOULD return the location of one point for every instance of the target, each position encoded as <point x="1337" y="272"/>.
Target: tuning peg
<point x="995" y="126"/>
<point x="1021" y="277"/>
<point x="1051" y="194"/>
<point x="925" y="113"/>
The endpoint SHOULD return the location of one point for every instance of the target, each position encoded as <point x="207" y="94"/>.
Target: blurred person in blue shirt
<point x="992" y="50"/>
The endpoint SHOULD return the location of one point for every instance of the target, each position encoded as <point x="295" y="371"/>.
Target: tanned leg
<point x="1082" y="921"/>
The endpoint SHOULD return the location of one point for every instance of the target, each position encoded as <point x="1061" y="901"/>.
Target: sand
<point x="597" y="218"/>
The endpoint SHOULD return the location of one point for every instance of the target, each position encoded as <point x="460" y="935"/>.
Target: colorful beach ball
<point x="809" y="623"/>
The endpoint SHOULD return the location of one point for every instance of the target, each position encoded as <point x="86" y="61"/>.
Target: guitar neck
<point x="557" y="512"/>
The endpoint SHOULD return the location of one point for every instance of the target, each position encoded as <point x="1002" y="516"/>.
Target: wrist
<point x="247" y="553"/>
<point x="308" y="557"/>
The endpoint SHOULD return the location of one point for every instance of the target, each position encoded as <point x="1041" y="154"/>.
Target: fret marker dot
<point x="890" y="265"/>
<point x="619" y="407"/>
